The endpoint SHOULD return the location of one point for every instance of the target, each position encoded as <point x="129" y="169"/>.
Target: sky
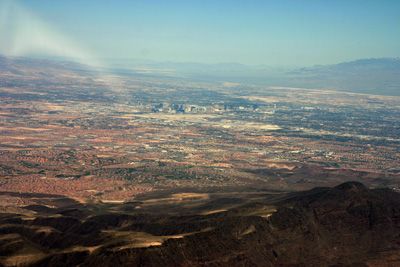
<point x="251" y="32"/>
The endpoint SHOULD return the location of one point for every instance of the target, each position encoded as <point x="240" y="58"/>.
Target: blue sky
<point x="284" y="32"/>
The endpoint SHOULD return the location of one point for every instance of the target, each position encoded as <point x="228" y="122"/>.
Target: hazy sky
<point x="281" y="32"/>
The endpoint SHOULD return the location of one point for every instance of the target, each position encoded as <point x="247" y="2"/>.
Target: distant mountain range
<point x="380" y="76"/>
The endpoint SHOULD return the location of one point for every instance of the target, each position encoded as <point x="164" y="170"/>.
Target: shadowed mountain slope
<point x="345" y="225"/>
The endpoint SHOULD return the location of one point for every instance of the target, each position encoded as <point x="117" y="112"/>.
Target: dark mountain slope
<point x="345" y="225"/>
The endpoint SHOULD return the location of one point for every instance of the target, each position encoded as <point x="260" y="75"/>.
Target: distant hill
<point x="379" y="76"/>
<point x="354" y="67"/>
<point x="22" y="67"/>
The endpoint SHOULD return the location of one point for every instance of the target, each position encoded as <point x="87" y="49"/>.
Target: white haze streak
<point x="23" y="34"/>
<point x="4" y="31"/>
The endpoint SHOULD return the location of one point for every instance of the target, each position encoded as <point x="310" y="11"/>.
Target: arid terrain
<point x="100" y="167"/>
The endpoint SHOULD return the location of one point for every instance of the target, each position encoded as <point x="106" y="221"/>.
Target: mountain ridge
<point x="379" y="76"/>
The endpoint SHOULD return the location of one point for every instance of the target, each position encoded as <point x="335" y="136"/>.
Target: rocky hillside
<point x="345" y="225"/>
